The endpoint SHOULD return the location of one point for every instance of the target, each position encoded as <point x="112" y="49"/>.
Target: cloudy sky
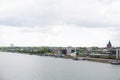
<point x="59" y="22"/>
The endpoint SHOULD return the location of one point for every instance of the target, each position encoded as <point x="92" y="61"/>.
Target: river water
<point x="15" y="66"/>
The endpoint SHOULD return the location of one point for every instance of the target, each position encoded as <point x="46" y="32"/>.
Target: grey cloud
<point x="39" y="13"/>
<point x="50" y="12"/>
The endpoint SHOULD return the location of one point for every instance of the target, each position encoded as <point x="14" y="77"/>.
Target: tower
<point x="109" y="45"/>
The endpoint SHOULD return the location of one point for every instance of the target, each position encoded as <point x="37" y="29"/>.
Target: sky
<point x="61" y="23"/>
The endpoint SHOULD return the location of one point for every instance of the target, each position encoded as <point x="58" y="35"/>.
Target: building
<point x="69" y="50"/>
<point x="118" y="53"/>
<point x="109" y="45"/>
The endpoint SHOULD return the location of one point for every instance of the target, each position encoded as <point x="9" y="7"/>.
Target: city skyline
<point x="59" y="23"/>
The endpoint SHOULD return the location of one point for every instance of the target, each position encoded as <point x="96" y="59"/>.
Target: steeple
<point x="109" y="45"/>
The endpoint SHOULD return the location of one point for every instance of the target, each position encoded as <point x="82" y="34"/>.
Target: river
<point x="15" y="66"/>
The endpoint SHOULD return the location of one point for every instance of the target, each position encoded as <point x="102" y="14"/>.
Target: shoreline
<point x="80" y="58"/>
<point x="102" y="60"/>
<point x="92" y="59"/>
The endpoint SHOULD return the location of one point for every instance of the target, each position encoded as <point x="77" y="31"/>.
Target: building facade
<point x="118" y="53"/>
<point x="109" y="45"/>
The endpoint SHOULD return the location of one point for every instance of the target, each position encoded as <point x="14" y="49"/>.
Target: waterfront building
<point x="118" y="53"/>
<point x="109" y="45"/>
<point x="69" y="50"/>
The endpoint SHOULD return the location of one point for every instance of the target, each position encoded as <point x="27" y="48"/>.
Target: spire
<point x="109" y="45"/>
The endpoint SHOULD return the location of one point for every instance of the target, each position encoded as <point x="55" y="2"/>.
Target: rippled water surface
<point x="15" y="66"/>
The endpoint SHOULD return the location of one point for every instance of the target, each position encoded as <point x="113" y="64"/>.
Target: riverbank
<point x="88" y="59"/>
<point x="91" y="59"/>
<point x="102" y="60"/>
<point x="78" y="58"/>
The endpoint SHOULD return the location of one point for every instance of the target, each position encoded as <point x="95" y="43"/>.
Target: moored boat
<point x="78" y="58"/>
<point x="116" y="63"/>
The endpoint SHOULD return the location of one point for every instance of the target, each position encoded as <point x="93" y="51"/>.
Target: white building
<point x="118" y="53"/>
<point x="69" y="50"/>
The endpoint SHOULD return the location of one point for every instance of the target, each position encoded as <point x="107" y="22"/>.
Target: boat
<point x="78" y="58"/>
<point x="115" y="63"/>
